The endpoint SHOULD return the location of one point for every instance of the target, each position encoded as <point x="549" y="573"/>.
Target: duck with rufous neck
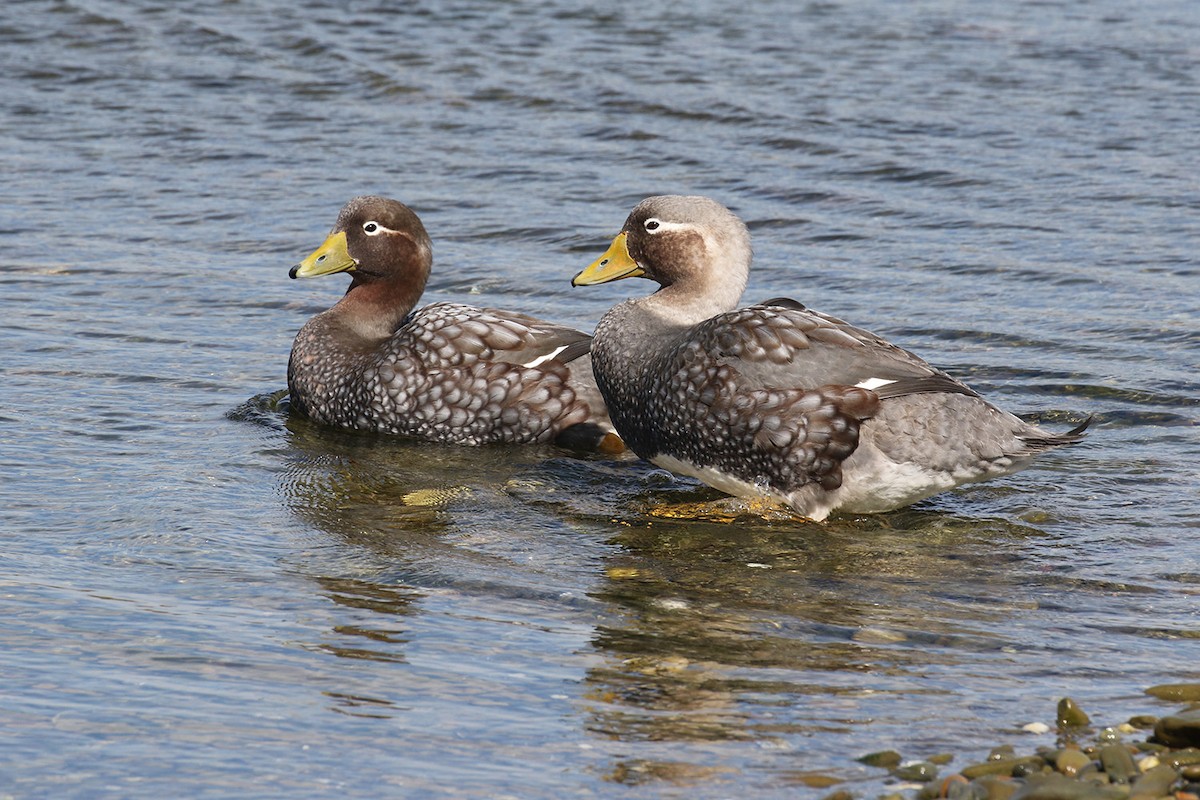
<point x="446" y="372"/>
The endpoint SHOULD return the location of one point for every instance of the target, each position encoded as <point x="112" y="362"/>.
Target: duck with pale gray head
<point x="775" y="400"/>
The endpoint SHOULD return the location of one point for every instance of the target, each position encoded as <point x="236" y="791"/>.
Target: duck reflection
<point x="756" y="632"/>
<point x="378" y="635"/>
<point x="769" y="633"/>
<point x="373" y="628"/>
<point x="418" y="514"/>
<point x="420" y="519"/>
<point x="396" y="496"/>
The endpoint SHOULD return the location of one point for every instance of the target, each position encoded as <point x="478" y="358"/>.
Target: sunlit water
<point x="205" y="597"/>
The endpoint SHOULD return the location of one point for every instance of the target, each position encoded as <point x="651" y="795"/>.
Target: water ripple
<point x="1009" y="194"/>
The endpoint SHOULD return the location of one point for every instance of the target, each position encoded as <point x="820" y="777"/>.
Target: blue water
<point x="204" y="597"/>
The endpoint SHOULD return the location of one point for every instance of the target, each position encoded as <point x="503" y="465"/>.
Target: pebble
<point x="1070" y="715"/>
<point x="1060" y="787"/>
<point x="1179" y="730"/>
<point x="954" y="786"/>
<point x="1107" y="766"/>
<point x="1070" y="760"/>
<point x="1176" y="692"/>
<point x="989" y="787"/>
<point x="1117" y="762"/>
<point x="1183" y="758"/>
<point x="1001" y="766"/>
<point x="1154" y="784"/>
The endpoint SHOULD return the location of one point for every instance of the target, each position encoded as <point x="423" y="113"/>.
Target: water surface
<point x="207" y="597"/>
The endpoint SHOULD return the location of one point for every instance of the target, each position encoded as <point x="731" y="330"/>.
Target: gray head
<point x="692" y="245"/>
<point x="679" y="238"/>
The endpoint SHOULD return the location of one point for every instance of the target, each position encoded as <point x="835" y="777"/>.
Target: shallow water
<point x="206" y="597"/>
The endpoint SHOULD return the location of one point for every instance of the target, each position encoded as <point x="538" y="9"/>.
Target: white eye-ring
<point x="651" y="225"/>
<point x="372" y="228"/>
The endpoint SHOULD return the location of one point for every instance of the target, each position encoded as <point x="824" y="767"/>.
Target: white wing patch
<point x="543" y="359"/>
<point x="873" y="383"/>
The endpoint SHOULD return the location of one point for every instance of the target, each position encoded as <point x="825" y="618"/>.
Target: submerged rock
<point x="887" y="759"/>
<point x="918" y="771"/>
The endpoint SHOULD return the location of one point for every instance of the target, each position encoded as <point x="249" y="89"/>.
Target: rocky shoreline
<point x="1144" y="758"/>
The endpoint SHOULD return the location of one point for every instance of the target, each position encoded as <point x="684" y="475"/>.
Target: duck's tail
<point x="1038" y="440"/>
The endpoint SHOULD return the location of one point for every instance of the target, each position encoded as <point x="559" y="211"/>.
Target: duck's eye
<point x="371" y="228"/>
<point x="651" y="225"/>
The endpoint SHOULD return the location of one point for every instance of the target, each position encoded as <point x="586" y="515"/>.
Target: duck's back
<point x="450" y="373"/>
<point x="777" y="399"/>
<point x="718" y="396"/>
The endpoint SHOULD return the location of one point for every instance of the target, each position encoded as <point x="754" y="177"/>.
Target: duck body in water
<point x="775" y="400"/>
<point x="445" y="372"/>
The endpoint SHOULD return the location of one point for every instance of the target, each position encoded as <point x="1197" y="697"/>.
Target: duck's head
<point x="692" y="243"/>
<point x="374" y="239"/>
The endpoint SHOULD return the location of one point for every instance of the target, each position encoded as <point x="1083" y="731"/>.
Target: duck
<point x="445" y="372"/>
<point x="776" y="402"/>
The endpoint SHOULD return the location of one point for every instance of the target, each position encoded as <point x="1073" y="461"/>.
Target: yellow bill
<point x="615" y="264"/>
<point x="332" y="256"/>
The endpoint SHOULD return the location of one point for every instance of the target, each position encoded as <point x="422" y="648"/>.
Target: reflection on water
<point x="208" y="607"/>
<point x="376" y="639"/>
<point x="753" y="636"/>
<point x="758" y="632"/>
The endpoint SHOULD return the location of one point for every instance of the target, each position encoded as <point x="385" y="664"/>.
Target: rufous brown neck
<point x="373" y="309"/>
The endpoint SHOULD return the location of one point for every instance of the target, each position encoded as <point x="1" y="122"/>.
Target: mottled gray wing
<point x="781" y="344"/>
<point x="565" y="352"/>
<point x="784" y="437"/>
<point x="780" y="392"/>
<point x="460" y="334"/>
<point x="463" y="374"/>
<point x="540" y="340"/>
